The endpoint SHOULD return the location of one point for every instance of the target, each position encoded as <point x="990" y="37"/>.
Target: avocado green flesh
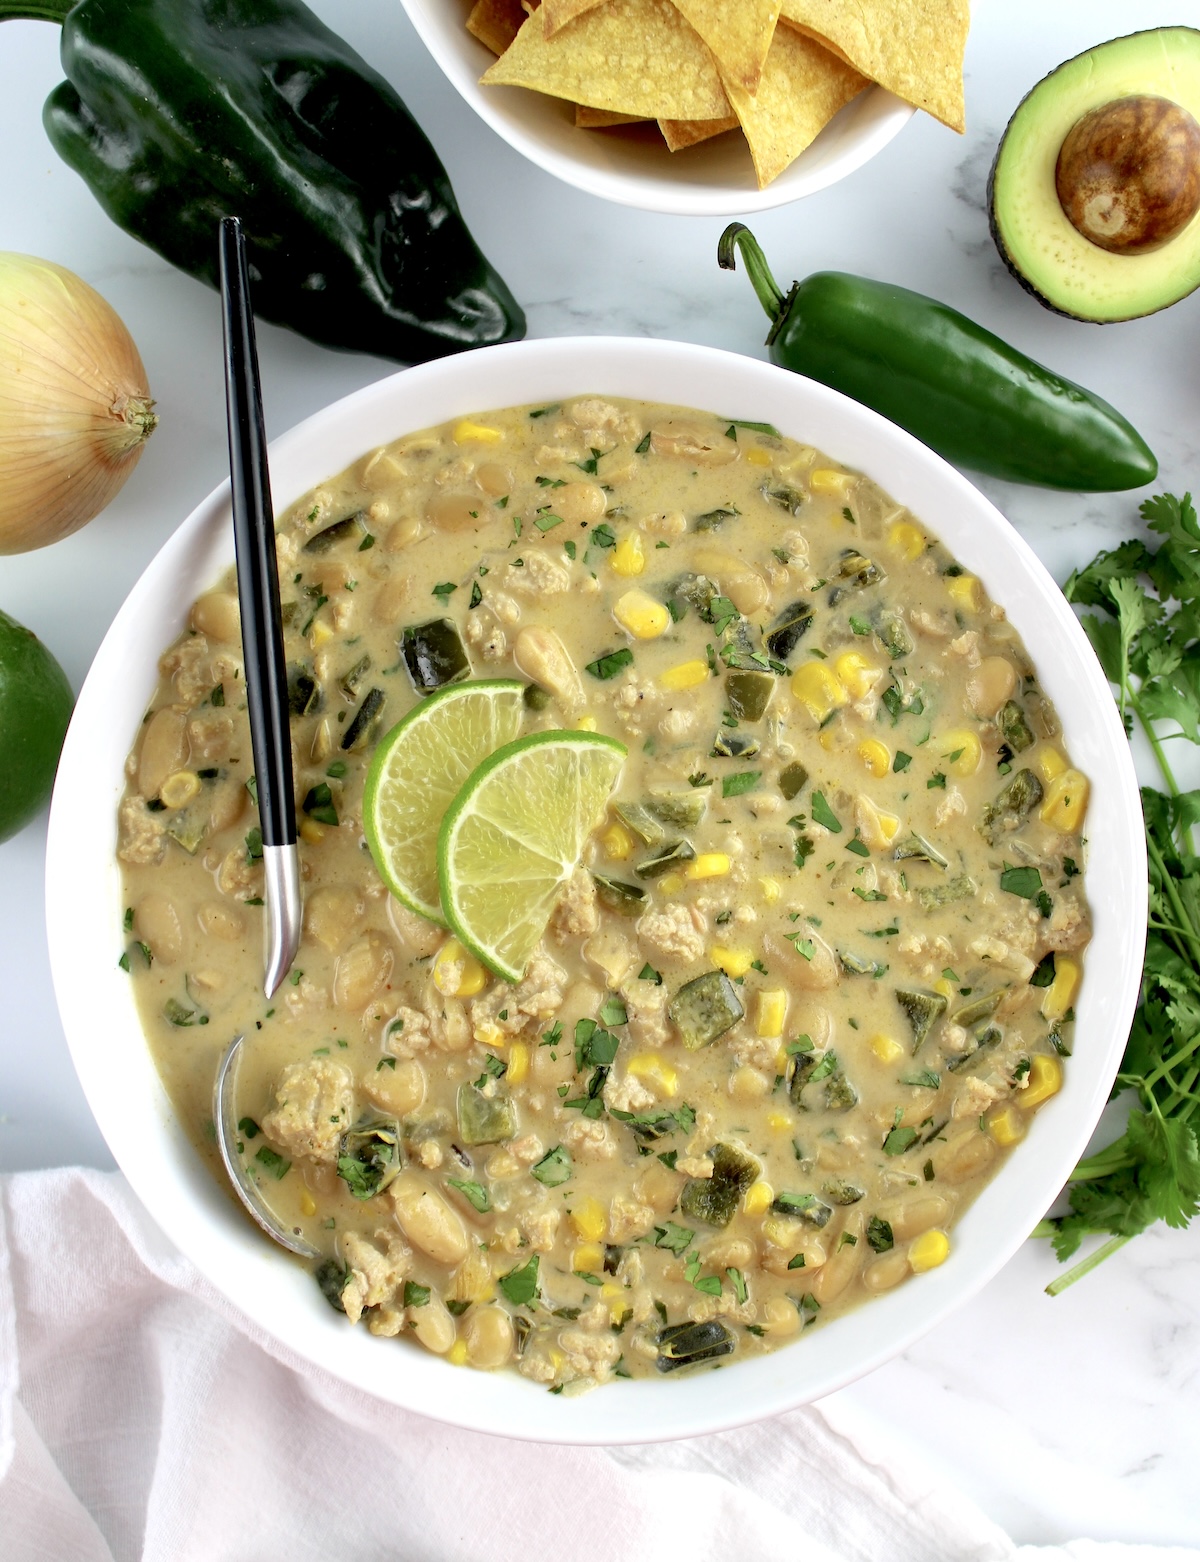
<point x="1047" y="255"/>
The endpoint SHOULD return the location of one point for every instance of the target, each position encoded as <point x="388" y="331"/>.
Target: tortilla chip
<point x="557" y="13"/>
<point x="496" y="22"/>
<point x="802" y="88"/>
<point x="738" y="34"/>
<point x="600" y="118"/>
<point x="679" y="134"/>
<point x="914" y="48"/>
<point x="634" y="57"/>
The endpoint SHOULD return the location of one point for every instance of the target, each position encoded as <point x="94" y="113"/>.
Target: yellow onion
<point x="74" y="407"/>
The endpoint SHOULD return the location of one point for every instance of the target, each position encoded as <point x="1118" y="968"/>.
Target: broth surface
<point x="813" y="976"/>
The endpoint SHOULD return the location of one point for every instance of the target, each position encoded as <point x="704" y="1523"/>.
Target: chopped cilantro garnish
<point x="609" y="665"/>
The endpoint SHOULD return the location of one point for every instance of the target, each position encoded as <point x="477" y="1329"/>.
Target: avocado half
<point x="1048" y="256"/>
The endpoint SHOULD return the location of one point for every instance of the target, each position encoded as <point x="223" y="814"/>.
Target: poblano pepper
<point x="179" y="112"/>
<point x="964" y="392"/>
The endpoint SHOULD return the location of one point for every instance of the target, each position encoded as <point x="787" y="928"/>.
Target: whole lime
<point x="35" y="707"/>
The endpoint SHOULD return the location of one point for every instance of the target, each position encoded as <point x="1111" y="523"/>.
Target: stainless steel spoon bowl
<point x="228" y="1139"/>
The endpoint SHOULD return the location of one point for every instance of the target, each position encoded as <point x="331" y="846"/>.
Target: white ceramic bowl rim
<point x="84" y="906"/>
<point x="714" y="179"/>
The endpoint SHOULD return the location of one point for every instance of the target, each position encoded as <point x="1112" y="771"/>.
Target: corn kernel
<point x="456" y="973"/>
<point x="556" y="1357"/>
<point x="457" y="1354"/>
<point x="780" y="1233"/>
<point x="757" y="456"/>
<point x="1066" y="802"/>
<point x="964" y="589"/>
<point x="778" y="1122"/>
<point x="466" y="432"/>
<point x="830" y="739"/>
<point x="320" y="634"/>
<point x="877" y="828"/>
<point x="886" y="1048"/>
<point x="586" y="724"/>
<point x="770" y="1011"/>
<point x="1060" y="994"/>
<point x="671" y="883"/>
<point x="758" y="1198"/>
<point x="629" y="557"/>
<point x="617" y="842"/>
<point x="179" y="789"/>
<point x="489" y="1034"/>
<point x="818" y="690"/>
<point x="707" y="865"/>
<point x="1045" y="1080"/>
<point x="771" y="890"/>
<point x="518" y="1063"/>
<point x="588" y="1258"/>
<point x="654" y="1070"/>
<point x="781" y="1058"/>
<point x="907" y="539"/>
<point x="1049" y="764"/>
<point x="643" y="616"/>
<point x="734" y="962"/>
<point x="308" y="1205"/>
<point x="610" y="1289"/>
<point x="590" y="1219"/>
<point x="928" y="1250"/>
<point x="966" y="748"/>
<point x="875" y="757"/>
<point x="856" y="674"/>
<point x="312" y="832"/>
<point x="686" y="675"/>
<point x="944" y="987"/>
<point x="826" y="481"/>
<point x="1005" y="1126"/>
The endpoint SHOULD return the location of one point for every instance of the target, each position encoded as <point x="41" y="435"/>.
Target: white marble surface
<point x="1073" y="1417"/>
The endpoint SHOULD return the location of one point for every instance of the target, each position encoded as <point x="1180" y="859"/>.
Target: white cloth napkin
<point x="142" y="1418"/>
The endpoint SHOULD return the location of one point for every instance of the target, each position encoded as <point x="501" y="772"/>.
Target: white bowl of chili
<point x="140" y="1122"/>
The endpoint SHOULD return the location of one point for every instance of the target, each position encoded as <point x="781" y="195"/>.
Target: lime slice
<point x="515" y="834"/>
<point x="416" y="772"/>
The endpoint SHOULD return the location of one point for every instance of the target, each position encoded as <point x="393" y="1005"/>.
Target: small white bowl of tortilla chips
<point x="700" y="107"/>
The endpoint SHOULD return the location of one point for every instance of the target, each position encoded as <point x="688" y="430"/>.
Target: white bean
<point x="427" y="1220"/>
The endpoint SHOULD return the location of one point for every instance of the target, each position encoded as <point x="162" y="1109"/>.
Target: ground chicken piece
<point x="976" y="1096"/>
<point x="1069" y="926"/>
<point x="627" y="1095"/>
<point x="305" y="997"/>
<point x="314" y="1105"/>
<point x="535" y="998"/>
<point x="375" y="1276"/>
<point x="142" y="836"/>
<point x="589" y="1355"/>
<point x="576" y="915"/>
<point x="430" y="1154"/>
<point x="596" y="417"/>
<point x="695" y="1166"/>
<point x="628" y="1219"/>
<point x="671" y="933"/>
<point x="953" y="803"/>
<point x="539" y="576"/>
<point x="679" y="724"/>
<point x="589" y="1140"/>
<point x="539" y="1226"/>
<point x="754" y="1051"/>
<point x="539" y="1368"/>
<point x="240" y="877"/>
<point x="527" y="1149"/>
<point x="407" y="1034"/>
<point x="967" y="645"/>
<point x="209" y="737"/>
<point x="646" y="1006"/>
<point x="702" y="1308"/>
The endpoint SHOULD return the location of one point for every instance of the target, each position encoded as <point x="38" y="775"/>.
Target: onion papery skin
<point x="75" y="411"/>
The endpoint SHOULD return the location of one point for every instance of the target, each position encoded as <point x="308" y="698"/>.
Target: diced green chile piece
<point x="705" y="1008"/>
<point x="714" y="1200"/>
<point x="645" y="825"/>
<point x="687" y="1344"/>
<point x="842" y="1192"/>
<point x="986" y="1036"/>
<point x="627" y="899"/>
<point x="671" y="855"/>
<point x="366" y="718"/>
<point x="1014" y="727"/>
<point x="370" y="1156"/>
<point x="749" y="693"/>
<point x="786" y="633"/>
<point x="809" y="1069"/>
<point x="856" y="965"/>
<point x="333" y="1279"/>
<point x="712" y="519"/>
<point x="696" y="589"/>
<point x="731" y="745"/>
<point x="858" y="572"/>
<point x="960" y="887"/>
<point x="536" y="698"/>
<point x="792" y="780"/>
<point x="349" y="681"/>
<point x="786" y="497"/>
<point x="352" y="526"/>
<point x="916" y="848"/>
<point x="921" y="1009"/>
<point x="187" y="828"/>
<point x="484" y="1119"/>
<point x="1022" y="794"/>
<point x="978" y="1009"/>
<point x="434" y="655"/>
<point x="805" y="1206"/>
<point x="683" y="809"/>
<point x="304" y="692"/>
<point x="892" y="633"/>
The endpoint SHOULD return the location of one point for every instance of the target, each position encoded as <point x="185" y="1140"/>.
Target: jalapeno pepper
<point x="962" y="391"/>
<point x="179" y="112"/>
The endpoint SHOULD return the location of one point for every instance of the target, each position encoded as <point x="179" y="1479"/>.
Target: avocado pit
<point x="1128" y="174"/>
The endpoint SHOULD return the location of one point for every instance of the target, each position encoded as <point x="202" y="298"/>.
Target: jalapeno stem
<point x="737" y="236"/>
<point x="35" y="10"/>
